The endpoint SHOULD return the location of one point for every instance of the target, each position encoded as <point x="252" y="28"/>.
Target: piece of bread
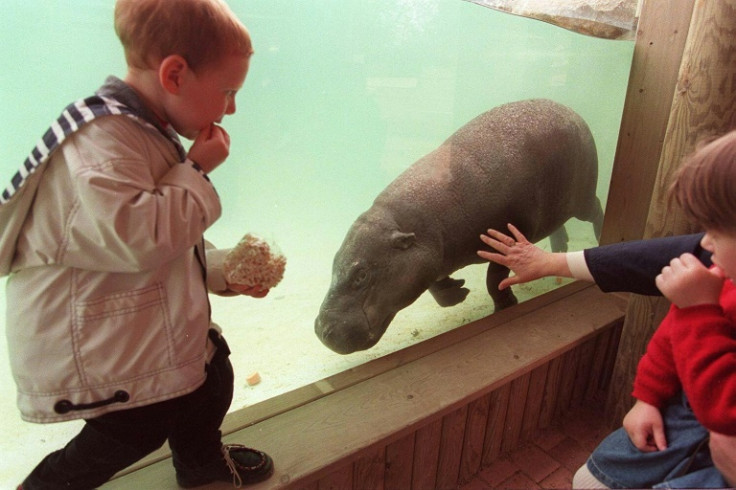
<point x="252" y="263"/>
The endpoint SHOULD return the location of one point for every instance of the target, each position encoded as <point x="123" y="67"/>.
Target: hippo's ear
<point x="402" y="240"/>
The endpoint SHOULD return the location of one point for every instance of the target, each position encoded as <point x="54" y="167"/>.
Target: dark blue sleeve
<point x="632" y="266"/>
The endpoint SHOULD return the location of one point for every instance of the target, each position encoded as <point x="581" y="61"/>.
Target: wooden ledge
<point x="314" y="430"/>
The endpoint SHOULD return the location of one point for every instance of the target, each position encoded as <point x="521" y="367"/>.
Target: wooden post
<point x="704" y="104"/>
<point x="660" y="40"/>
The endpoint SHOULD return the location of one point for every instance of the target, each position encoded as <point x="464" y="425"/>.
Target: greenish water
<point x="342" y="96"/>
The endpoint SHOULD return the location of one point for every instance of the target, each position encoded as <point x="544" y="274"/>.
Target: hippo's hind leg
<point x="558" y="239"/>
<point x="594" y="214"/>
<point x="597" y="219"/>
<point x="501" y="298"/>
<point x="449" y="291"/>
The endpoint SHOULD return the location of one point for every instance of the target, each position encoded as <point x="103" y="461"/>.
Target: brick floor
<point x="551" y="459"/>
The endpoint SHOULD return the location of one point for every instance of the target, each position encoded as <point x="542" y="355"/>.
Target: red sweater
<point x="694" y="349"/>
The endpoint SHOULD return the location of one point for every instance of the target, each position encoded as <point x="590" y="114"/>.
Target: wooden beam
<point x="660" y="40"/>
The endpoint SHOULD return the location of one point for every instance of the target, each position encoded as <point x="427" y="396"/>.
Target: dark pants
<point x="114" y="441"/>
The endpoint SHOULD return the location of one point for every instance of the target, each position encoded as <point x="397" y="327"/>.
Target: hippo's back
<point x="527" y="136"/>
<point x="534" y="161"/>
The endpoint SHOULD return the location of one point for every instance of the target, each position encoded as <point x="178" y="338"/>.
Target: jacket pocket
<point x="122" y="336"/>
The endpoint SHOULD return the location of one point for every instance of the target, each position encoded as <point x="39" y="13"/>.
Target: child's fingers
<point x="660" y="440"/>
<point x="220" y="133"/>
<point x="226" y="135"/>
<point x="253" y="291"/>
<point x="639" y="439"/>
<point x="203" y="135"/>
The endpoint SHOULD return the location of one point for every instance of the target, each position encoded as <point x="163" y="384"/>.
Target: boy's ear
<point x="171" y="73"/>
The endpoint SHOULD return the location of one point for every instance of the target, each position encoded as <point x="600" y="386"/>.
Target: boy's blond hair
<point x="203" y="32"/>
<point x="705" y="185"/>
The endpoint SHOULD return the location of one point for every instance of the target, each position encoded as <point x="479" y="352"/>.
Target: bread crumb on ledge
<point x="253" y="379"/>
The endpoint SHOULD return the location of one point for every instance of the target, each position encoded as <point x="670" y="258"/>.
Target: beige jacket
<point x="107" y="305"/>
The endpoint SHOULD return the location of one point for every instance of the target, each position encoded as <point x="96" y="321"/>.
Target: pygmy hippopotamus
<point x="532" y="163"/>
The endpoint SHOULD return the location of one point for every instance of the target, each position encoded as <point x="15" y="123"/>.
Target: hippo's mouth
<point x="375" y="329"/>
<point x="345" y="337"/>
<point x="375" y="332"/>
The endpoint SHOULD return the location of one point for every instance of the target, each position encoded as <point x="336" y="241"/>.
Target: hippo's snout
<point x="346" y="333"/>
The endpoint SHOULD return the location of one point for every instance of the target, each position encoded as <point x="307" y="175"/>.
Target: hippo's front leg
<point x="501" y="298"/>
<point x="449" y="291"/>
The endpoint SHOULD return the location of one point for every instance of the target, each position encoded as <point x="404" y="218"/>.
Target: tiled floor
<point x="551" y="459"/>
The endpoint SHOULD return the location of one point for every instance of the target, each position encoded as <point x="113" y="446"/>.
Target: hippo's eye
<point x="359" y="277"/>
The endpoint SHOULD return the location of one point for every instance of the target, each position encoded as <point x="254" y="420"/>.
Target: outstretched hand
<point x="527" y="261"/>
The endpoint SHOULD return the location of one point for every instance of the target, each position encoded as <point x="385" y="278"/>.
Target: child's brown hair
<point x="203" y="32"/>
<point x="705" y="184"/>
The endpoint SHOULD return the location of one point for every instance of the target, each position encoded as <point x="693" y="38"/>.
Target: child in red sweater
<point x="685" y="384"/>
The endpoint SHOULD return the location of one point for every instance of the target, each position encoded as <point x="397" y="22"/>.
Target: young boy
<point x="108" y="316"/>
<point x="685" y="387"/>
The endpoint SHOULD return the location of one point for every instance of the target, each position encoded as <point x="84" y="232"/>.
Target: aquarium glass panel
<point x="341" y="98"/>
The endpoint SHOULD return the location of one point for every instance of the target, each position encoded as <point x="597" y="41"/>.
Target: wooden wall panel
<point x="551" y="389"/>
<point x="567" y="382"/>
<point x="583" y="372"/>
<point x="340" y="479"/>
<point x="369" y="471"/>
<point x="499" y="403"/>
<point x="399" y="458"/>
<point x="600" y="354"/>
<point x="426" y="455"/>
<point x="515" y="413"/>
<point x="611" y="354"/>
<point x="449" y="452"/>
<point x="475" y="433"/>
<point x="535" y="397"/>
<point x="451" y="448"/>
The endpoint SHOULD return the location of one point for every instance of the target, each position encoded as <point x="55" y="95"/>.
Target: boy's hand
<point x="687" y="282"/>
<point x="210" y="148"/>
<point x="645" y="427"/>
<point x="252" y="291"/>
<point x="527" y="261"/>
